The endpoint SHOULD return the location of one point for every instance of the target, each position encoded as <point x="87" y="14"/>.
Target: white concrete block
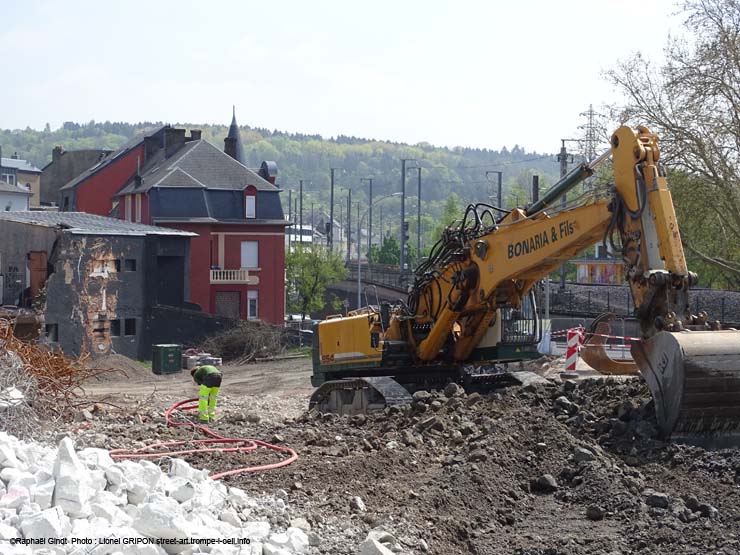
<point x="182" y="490"/>
<point x="373" y="547"/>
<point x="98" y="481"/>
<point x="257" y="530"/>
<point x="150" y="474"/>
<point x="158" y="523"/>
<point x="7" y="532"/>
<point x="119" y="500"/>
<point x="114" y="475"/>
<point x="237" y="497"/>
<point x="179" y="467"/>
<point x="254" y="548"/>
<point x="8" y="458"/>
<point x="137" y="492"/>
<point x="95" y="458"/>
<point x="15" y="498"/>
<point x="42" y="493"/>
<point x="72" y="481"/>
<point x="270" y="549"/>
<point x="51" y="523"/>
<point x="229" y="516"/>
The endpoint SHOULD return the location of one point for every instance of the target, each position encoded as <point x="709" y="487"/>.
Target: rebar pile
<point x="50" y="381"/>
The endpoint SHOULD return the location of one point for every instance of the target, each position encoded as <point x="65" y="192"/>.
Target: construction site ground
<point x="567" y="467"/>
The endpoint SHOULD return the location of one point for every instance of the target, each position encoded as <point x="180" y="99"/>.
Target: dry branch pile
<point x="246" y="341"/>
<point x="49" y="381"/>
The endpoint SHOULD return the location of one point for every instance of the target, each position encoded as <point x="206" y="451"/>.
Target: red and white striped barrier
<point x="575" y="336"/>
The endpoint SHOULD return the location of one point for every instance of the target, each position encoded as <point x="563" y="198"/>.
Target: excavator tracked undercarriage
<point x="470" y="311"/>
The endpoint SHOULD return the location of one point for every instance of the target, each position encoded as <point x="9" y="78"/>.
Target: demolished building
<point x="103" y="285"/>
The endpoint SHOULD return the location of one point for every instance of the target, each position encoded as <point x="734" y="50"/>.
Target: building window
<point x="251" y="305"/>
<point x="115" y="328"/>
<point x="251" y="206"/>
<point x="9" y="178"/>
<point x="128" y="208"/>
<point x="129" y="264"/>
<point x="129" y="326"/>
<point x="250" y="259"/>
<point x="66" y="204"/>
<point x="137" y="214"/>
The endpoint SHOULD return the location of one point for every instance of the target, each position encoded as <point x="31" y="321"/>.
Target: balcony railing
<point x="234" y="276"/>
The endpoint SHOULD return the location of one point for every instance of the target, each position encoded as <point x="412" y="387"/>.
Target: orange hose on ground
<point x="238" y="445"/>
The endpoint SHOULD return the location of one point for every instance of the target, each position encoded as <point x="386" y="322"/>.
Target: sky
<point x="481" y="74"/>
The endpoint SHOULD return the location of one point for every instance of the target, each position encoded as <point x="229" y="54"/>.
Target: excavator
<point x="471" y="307"/>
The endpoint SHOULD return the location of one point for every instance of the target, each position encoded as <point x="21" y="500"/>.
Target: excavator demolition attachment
<point x="594" y="349"/>
<point x="694" y="377"/>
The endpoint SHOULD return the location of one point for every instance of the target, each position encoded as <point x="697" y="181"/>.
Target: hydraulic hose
<point x="227" y="445"/>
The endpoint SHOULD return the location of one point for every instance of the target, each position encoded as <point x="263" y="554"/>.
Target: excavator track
<point x="694" y="377"/>
<point x="358" y="395"/>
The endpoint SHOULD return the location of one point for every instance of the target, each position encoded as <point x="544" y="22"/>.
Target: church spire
<point x="233" y="145"/>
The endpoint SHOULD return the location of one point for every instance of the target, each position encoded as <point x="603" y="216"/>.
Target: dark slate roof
<point x="105" y="162"/>
<point x="20" y="165"/>
<point x="234" y="133"/>
<point x="81" y="223"/>
<point x="8" y="188"/>
<point x="199" y="165"/>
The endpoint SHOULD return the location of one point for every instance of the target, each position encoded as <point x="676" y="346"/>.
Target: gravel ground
<point x="562" y="468"/>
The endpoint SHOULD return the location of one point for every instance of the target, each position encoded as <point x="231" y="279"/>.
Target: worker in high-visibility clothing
<point x="209" y="379"/>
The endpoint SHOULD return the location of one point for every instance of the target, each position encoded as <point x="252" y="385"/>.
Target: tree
<point x="693" y="103"/>
<point x="310" y="269"/>
<point x="389" y="253"/>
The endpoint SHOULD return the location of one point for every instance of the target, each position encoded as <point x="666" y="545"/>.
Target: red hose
<point x="239" y="445"/>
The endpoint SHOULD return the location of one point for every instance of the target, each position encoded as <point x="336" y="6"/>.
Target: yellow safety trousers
<point x="207" y="398"/>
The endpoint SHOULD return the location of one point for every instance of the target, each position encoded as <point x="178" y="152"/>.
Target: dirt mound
<point x="120" y="365"/>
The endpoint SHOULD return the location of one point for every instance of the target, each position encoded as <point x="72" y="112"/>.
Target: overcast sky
<point x="471" y="73"/>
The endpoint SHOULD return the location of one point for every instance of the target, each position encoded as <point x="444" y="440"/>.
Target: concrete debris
<point x="63" y="494"/>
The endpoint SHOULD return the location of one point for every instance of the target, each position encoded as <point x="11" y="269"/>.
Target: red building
<point x="237" y="261"/>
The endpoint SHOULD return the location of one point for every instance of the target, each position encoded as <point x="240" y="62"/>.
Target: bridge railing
<point x="378" y="274"/>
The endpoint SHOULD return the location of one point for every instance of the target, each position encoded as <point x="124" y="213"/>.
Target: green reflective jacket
<point x="202" y="371"/>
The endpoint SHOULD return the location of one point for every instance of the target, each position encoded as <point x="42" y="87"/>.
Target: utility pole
<point x="349" y="223"/>
<point x="402" y="232"/>
<point x="359" y="265"/>
<point x="300" y="213"/>
<point x="535" y="188"/>
<point x="500" y="188"/>
<point x="290" y="205"/>
<point x="563" y="159"/>
<point x="313" y="227"/>
<point x="418" y="215"/>
<point x="330" y="237"/>
<point x="369" y="217"/>
<point x="382" y="235"/>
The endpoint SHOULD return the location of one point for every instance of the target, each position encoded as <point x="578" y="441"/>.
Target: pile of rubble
<point x="245" y="342"/>
<point x="68" y="500"/>
<point x="37" y="383"/>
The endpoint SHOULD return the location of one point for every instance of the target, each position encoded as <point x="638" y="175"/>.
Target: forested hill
<point x="309" y="157"/>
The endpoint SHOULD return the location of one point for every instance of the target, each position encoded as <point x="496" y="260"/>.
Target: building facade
<point x="65" y="166"/>
<point x="169" y="178"/>
<point x="23" y="175"/>
<point x="97" y="281"/>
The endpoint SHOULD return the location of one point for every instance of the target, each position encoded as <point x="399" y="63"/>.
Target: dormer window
<point x="250" y="203"/>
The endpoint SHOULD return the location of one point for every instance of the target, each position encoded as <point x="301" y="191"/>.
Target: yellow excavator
<point x="471" y="306"/>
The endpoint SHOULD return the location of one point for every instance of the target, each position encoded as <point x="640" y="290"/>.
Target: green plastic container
<point x="166" y="359"/>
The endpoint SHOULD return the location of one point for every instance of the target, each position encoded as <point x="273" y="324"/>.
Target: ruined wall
<point x="18" y="239"/>
<point x="95" y="296"/>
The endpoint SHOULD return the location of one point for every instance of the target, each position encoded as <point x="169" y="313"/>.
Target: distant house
<point x="93" y="190"/>
<point x="103" y="284"/>
<point x="169" y="178"/>
<point x="66" y="165"/>
<point x="600" y="270"/>
<point x="13" y="197"/>
<point x="16" y="171"/>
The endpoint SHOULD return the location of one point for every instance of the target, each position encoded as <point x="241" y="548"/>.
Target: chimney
<point x="230" y="146"/>
<point x="15" y="156"/>
<point x="174" y="139"/>
<point x="56" y="154"/>
<point x="268" y="171"/>
<point x="195" y="134"/>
